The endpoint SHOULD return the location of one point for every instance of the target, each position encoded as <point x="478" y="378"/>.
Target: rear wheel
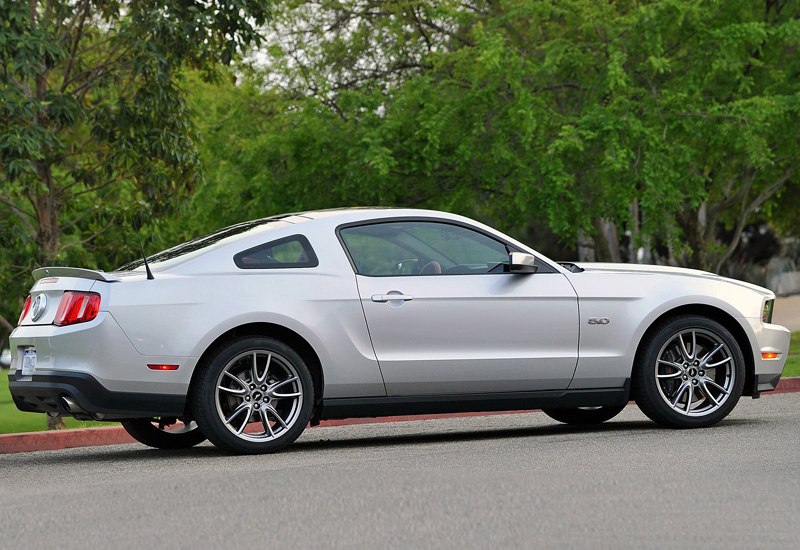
<point x="583" y="415"/>
<point x="690" y="374"/>
<point x="164" y="433"/>
<point x="255" y="395"/>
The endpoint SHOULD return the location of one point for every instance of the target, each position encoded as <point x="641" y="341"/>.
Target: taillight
<point x="77" y="307"/>
<point x="25" y="309"/>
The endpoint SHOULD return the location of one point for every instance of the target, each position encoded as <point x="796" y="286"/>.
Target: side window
<point x="422" y="248"/>
<point x="294" y="251"/>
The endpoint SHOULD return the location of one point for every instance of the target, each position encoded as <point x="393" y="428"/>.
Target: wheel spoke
<point x="704" y="362"/>
<point x="707" y="392"/>
<point x="267" y="425"/>
<point x="715" y="365"/>
<point x="254" y="373"/>
<point x="690" y="398"/>
<point x="232" y="390"/>
<point x="261" y="379"/>
<point x="266" y="367"/>
<point x="241" y="408"/>
<point x="285" y="395"/>
<point x="271" y="389"/>
<point x="679" y="394"/>
<point x="682" y="348"/>
<point x="270" y="409"/>
<point x="667" y="376"/>
<point x="708" y="380"/>
<point x="245" y="421"/>
<point x="236" y="379"/>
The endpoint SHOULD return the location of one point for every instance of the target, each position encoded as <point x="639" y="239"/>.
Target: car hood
<point x="662" y="270"/>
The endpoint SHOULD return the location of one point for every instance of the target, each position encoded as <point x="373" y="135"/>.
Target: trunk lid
<point x="51" y="284"/>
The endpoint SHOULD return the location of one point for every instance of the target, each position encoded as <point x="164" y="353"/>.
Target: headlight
<point x="766" y="315"/>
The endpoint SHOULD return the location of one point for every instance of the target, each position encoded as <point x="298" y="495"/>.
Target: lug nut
<point x="702" y="373"/>
<point x="263" y="388"/>
<point x="685" y="377"/>
<point x="247" y="398"/>
<point x="252" y="386"/>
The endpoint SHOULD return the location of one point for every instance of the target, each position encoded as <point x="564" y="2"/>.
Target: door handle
<point x="391" y="297"/>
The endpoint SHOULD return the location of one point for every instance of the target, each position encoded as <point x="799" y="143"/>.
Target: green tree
<point x="568" y="112"/>
<point x="95" y="124"/>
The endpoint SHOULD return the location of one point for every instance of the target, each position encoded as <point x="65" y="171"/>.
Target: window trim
<point x="312" y="261"/>
<point x="544" y="267"/>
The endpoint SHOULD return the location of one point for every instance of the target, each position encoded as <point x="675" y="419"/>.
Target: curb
<point x="116" y="435"/>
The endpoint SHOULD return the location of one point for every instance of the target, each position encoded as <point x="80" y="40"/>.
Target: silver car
<point x="247" y="335"/>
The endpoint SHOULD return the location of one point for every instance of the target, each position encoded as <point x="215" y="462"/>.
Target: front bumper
<point x="769" y="338"/>
<point x="52" y="393"/>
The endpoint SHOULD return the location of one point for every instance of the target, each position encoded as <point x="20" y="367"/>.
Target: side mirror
<point x="520" y="262"/>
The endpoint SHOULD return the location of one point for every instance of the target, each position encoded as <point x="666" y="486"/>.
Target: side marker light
<point x="162" y="367"/>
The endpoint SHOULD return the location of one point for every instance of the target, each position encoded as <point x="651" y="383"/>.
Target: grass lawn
<point x="12" y="420"/>
<point x="792" y="367"/>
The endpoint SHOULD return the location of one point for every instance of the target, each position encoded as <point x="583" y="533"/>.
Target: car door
<point x="445" y="318"/>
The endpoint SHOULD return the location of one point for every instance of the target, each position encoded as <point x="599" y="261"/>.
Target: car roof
<point x="232" y="234"/>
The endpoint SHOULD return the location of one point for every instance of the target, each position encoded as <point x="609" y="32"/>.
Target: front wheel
<point x="583" y="415"/>
<point x="690" y="373"/>
<point x="162" y="433"/>
<point x="254" y="395"/>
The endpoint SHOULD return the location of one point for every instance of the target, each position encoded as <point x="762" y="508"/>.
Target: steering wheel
<point x="431" y="268"/>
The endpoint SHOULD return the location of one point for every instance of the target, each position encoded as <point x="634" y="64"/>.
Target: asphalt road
<point x="505" y="481"/>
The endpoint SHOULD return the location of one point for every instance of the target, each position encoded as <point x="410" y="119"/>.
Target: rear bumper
<point x="45" y="393"/>
<point x="100" y="349"/>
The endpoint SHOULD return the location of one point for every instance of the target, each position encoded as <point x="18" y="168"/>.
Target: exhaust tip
<point x="70" y="405"/>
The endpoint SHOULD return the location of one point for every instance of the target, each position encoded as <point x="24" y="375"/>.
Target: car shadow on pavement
<point x="141" y="453"/>
<point x="489" y="433"/>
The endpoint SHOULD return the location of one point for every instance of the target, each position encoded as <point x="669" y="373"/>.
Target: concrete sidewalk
<point x="787" y="312"/>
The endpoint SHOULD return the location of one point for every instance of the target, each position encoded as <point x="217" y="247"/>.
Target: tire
<point x="689" y="373"/>
<point x="584" y="415"/>
<point x="254" y="395"/>
<point x="150" y="432"/>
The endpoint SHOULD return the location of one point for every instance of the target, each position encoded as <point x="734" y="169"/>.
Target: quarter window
<point x="422" y="248"/>
<point x="294" y="251"/>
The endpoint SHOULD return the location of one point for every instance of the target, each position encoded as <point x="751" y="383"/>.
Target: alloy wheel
<point x="259" y="396"/>
<point x="695" y="372"/>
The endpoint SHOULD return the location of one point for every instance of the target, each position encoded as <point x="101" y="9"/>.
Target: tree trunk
<point x="47" y="208"/>
<point x="47" y="239"/>
<point x="693" y="231"/>
<point x="603" y="251"/>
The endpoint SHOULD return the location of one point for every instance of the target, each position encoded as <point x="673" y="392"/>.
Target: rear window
<point x="293" y="251"/>
<point x="199" y="245"/>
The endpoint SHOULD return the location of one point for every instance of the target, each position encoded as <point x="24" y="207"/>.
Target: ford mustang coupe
<point x="247" y="335"/>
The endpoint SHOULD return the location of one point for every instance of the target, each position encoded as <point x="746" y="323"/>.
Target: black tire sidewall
<point x="143" y="431"/>
<point x="648" y="396"/>
<point x="204" y="396"/>
<point x="578" y="416"/>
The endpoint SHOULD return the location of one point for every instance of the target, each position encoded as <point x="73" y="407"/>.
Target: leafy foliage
<point x="562" y="112"/>
<point x="95" y="125"/>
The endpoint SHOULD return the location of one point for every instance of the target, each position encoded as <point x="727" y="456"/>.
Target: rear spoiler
<point x="74" y="272"/>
